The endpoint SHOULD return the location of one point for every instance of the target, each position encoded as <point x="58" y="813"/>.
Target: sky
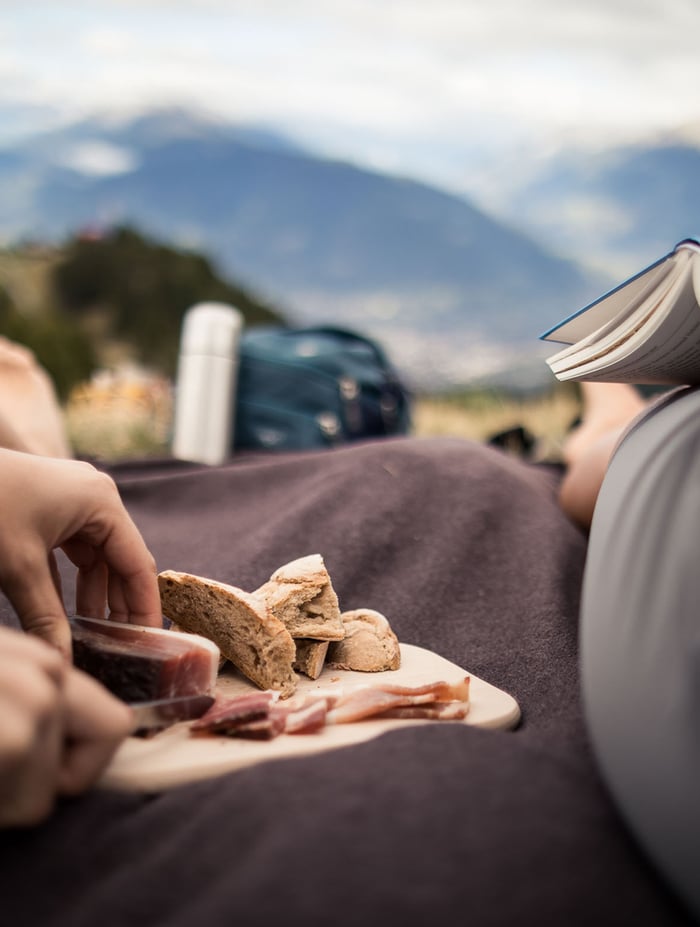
<point x="450" y="91"/>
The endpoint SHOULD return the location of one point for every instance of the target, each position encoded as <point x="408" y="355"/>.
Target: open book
<point x="647" y="330"/>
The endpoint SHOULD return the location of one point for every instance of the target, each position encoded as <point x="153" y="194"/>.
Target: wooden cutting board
<point x="173" y="757"/>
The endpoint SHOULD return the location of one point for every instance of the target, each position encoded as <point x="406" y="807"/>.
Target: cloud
<point x="97" y="159"/>
<point x="397" y="82"/>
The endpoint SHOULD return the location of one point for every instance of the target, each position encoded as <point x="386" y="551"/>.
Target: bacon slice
<point x="372" y="701"/>
<point x="363" y="703"/>
<point x="435" y="711"/>
<point x="439" y="691"/>
<point x="262" y="729"/>
<point x="304" y="719"/>
<point x="262" y="715"/>
<point x="228" y="715"/>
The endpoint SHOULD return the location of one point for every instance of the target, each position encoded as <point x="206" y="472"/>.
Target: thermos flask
<point x="205" y="388"/>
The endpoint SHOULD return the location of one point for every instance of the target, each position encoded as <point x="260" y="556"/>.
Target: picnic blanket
<point x="466" y="551"/>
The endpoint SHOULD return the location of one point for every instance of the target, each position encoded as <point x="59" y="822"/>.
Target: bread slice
<point x="301" y="595"/>
<point x="256" y="642"/>
<point x="311" y="656"/>
<point x="369" y="645"/>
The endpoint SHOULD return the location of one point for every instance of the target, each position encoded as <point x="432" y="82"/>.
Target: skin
<point x="608" y="409"/>
<point x="58" y="727"/>
<point x="30" y="415"/>
<point x="49" y="504"/>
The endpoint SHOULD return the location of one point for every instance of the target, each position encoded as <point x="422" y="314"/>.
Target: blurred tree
<point x="58" y="342"/>
<point x="145" y="288"/>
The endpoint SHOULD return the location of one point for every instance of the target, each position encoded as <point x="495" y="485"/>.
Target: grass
<point x="479" y="415"/>
<point x="130" y="415"/>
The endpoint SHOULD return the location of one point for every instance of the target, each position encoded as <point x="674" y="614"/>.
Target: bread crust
<point x="239" y="622"/>
<point x="301" y="595"/>
<point x="369" y="645"/>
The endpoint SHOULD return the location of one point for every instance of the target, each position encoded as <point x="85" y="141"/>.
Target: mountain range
<point x="617" y="209"/>
<point x="452" y="292"/>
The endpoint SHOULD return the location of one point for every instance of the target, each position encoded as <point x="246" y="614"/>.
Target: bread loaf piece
<point x="311" y="656"/>
<point x="369" y="645"/>
<point x="247" y="634"/>
<point x="301" y="595"/>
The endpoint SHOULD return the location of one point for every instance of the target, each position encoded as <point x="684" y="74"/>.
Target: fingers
<point x="58" y="729"/>
<point x="31" y="727"/>
<point x="133" y="583"/>
<point x="136" y="598"/>
<point x="91" y="590"/>
<point x="121" y="574"/>
<point x="95" y="723"/>
<point x="49" y="504"/>
<point x="129" y="581"/>
<point x="27" y="578"/>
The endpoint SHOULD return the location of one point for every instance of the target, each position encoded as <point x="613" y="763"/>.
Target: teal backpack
<point x="315" y="387"/>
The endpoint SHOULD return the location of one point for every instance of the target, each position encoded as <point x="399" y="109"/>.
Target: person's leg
<point x="640" y="636"/>
<point x="608" y="408"/>
<point x="30" y="416"/>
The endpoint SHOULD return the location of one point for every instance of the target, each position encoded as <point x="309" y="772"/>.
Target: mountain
<point x="451" y="291"/>
<point x="617" y="209"/>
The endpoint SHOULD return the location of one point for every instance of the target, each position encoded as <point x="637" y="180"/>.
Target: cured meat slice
<point x="307" y="718"/>
<point x="226" y="715"/>
<point x="363" y="703"/>
<point x="434" y="711"/>
<point x="140" y="664"/>
<point x="440" y="691"/>
<point x="261" y="715"/>
<point x="248" y="715"/>
<point x="371" y="701"/>
<point x="262" y="729"/>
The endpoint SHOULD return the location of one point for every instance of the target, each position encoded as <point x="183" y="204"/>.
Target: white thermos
<point x="205" y="389"/>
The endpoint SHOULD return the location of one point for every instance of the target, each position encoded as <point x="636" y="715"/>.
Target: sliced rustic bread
<point x="301" y="595"/>
<point x="311" y="656"/>
<point x="253" y="639"/>
<point x="369" y="644"/>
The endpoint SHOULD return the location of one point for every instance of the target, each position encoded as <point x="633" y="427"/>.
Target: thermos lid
<point x="211" y="328"/>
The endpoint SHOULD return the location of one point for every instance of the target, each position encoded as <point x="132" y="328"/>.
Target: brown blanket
<point x="467" y="553"/>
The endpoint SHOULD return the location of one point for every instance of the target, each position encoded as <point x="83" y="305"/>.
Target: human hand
<point x="58" y="728"/>
<point x="31" y="418"/>
<point x="48" y="503"/>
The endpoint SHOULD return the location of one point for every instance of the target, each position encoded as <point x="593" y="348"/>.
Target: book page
<point x="588" y="321"/>
<point x="627" y="321"/>
<point x="664" y="349"/>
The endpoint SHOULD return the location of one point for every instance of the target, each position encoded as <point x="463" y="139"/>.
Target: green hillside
<point x="102" y="300"/>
